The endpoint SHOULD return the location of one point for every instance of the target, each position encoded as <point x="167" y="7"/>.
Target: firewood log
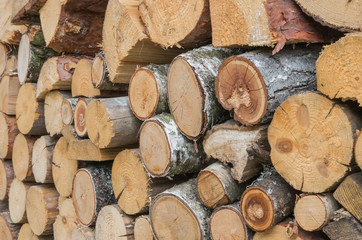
<point x="9" y="33"/>
<point x="83" y="233"/>
<point x="6" y="177"/>
<point x="9" y="90"/>
<point x="66" y="222"/>
<point x="242" y="147"/>
<point x="42" y="158"/>
<point x="42" y="208"/>
<point x="148" y="91"/>
<point x="250" y="86"/>
<point x="8" y="229"/>
<point x="26" y="233"/>
<point x="267" y="201"/>
<point x="143" y="229"/>
<point x="92" y="190"/>
<point x="8" y="132"/>
<point x="67" y="110"/>
<point x="26" y="11"/>
<point x="5" y="51"/>
<point x="358" y="149"/>
<point x="306" y="149"/>
<point x="82" y="85"/>
<point x="113" y="222"/>
<point x="190" y="88"/>
<point x="17" y="200"/>
<point x="79" y="117"/>
<point x="165" y="151"/>
<point x="226" y="222"/>
<point x="178" y="209"/>
<point x="22" y="157"/>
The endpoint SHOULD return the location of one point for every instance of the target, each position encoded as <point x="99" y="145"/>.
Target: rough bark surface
<point x="26" y="11"/>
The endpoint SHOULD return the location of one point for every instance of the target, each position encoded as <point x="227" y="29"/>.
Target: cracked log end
<point x="79" y="117"/>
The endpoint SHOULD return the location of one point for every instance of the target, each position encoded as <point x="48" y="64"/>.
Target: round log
<point x="9" y="90"/>
<point x="6" y="177"/>
<point x="8" y="229"/>
<point x="113" y="222"/>
<point x="79" y="117"/>
<point x="82" y="85"/>
<point x="181" y="207"/>
<point x="165" y="151"/>
<point x="66" y="222"/>
<point x="42" y="208"/>
<point x="22" y="157"/>
<point x="190" y="89"/>
<point x="227" y="222"/>
<point x="42" y="159"/>
<point x="30" y="112"/>
<point x="83" y="233"/>
<point x="311" y="139"/>
<point x="92" y="190"/>
<point x="26" y="233"/>
<point x="8" y="131"/>
<point x="111" y="123"/>
<point x="216" y="186"/>
<point x="67" y="110"/>
<point x="17" y="200"/>
<point x="148" y="91"/>
<point x="252" y="85"/>
<point x="267" y="201"/>
<point x="143" y="229"/>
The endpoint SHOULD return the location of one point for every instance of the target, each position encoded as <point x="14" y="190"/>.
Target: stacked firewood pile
<point x="120" y="120"/>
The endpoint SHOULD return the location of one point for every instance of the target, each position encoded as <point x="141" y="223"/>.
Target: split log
<point x="26" y="11"/>
<point x="190" y="88"/>
<point x="349" y="194"/>
<point x="9" y="90"/>
<point x="83" y="233"/>
<point x="42" y="159"/>
<point x="304" y="128"/>
<point x="242" y="147"/>
<point x="112" y="223"/>
<point x="165" y="151"/>
<point x="264" y="23"/>
<point x="111" y="123"/>
<point x="79" y="117"/>
<point x="226" y="222"/>
<point x="66" y="222"/>
<point x="56" y="74"/>
<point x="143" y="229"/>
<point x="73" y="29"/>
<point x="6" y="177"/>
<point x="148" y="91"/>
<point x="92" y="190"/>
<point x="343" y="226"/>
<point x="30" y="112"/>
<point x="42" y="208"/>
<point x="9" y="33"/>
<point x="26" y="233"/>
<point x="31" y="56"/>
<point x="82" y="85"/>
<point x="63" y="168"/>
<point x="125" y="43"/>
<point x="8" y="132"/>
<point x="338" y="69"/>
<point x="267" y="201"/>
<point x="22" y="157"/>
<point x="8" y="229"/>
<point x="67" y="110"/>
<point x="250" y="86"/>
<point x="17" y="200"/>
<point x="132" y="185"/>
<point x="216" y="186"/>
<point x="344" y="16"/>
<point x="312" y="212"/>
<point x="181" y="207"/>
<point x="168" y="26"/>
<point x="288" y="230"/>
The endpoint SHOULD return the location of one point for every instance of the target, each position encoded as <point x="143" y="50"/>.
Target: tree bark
<point x="6" y="177"/>
<point x="92" y="190"/>
<point x="26" y="11"/>
<point x="111" y="123"/>
<point x="8" y="131"/>
<point x="9" y="90"/>
<point x="83" y="233"/>
<point x="17" y="200"/>
<point x="242" y="147"/>
<point x="305" y="148"/>
<point x="79" y="117"/>
<point x="42" y="159"/>
<point x="8" y="229"/>
<point x="67" y="110"/>
<point x="267" y="201"/>
<point x="148" y="91"/>
<point x="66" y="222"/>
<point x="82" y="85"/>
<point x="26" y="233"/>
<point x="165" y="151"/>
<point x="143" y="229"/>
<point x="190" y="87"/>
<point x="252" y="85"/>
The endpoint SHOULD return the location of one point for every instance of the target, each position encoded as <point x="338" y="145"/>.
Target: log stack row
<point x="119" y="120"/>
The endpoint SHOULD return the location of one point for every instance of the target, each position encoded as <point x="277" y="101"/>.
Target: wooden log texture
<point x="67" y="110"/>
<point x="9" y="90"/>
<point x="263" y="23"/>
<point x="42" y="158"/>
<point x="190" y="88"/>
<point x="66" y="222"/>
<point x="83" y="233"/>
<point x="250" y="86"/>
<point x="227" y="222"/>
<point x="148" y="91"/>
<point x="242" y="147"/>
<point x="30" y="112"/>
<point x="8" y="132"/>
<point x="125" y="43"/>
<point x="17" y="201"/>
<point x="349" y="194"/>
<point x="358" y="149"/>
<point x="5" y="51"/>
<point x="82" y="85"/>
<point x="42" y="208"/>
<point x="338" y="69"/>
<point x="92" y="190"/>
<point x="304" y="123"/>
<point x="111" y="123"/>
<point x="143" y="229"/>
<point x="216" y="186"/>
<point x="26" y="11"/>
<point x="22" y="157"/>
<point x="165" y="151"/>
<point x="8" y="229"/>
<point x="79" y="117"/>
<point x="9" y="33"/>
<point x="56" y="74"/>
<point x="11" y="62"/>
<point x="6" y="177"/>
<point x="267" y="201"/>
<point x="26" y="233"/>
<point x="170" y="27"/>
<point x="181" y="207"/>
<point x="111" y="222"/>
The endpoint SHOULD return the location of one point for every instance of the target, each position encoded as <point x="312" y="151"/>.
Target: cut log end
<point x="23" y="58"/>
<point x="82" y="80"/>
<point x="42" y="159"/>
<point x="67" y="112"/>
<point x="8" y="230"/>
<point x="143" y="229"/>
<point x="6" y="177"/>
<point x="240" y="88"/>
<point x="98" y="71"/>
<point x="52" y="111"/>
<point x="79" y="117"/>
<point x="22" y="159"/>
<point x="17" y="201"/>
<point x="4" y="140"/>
